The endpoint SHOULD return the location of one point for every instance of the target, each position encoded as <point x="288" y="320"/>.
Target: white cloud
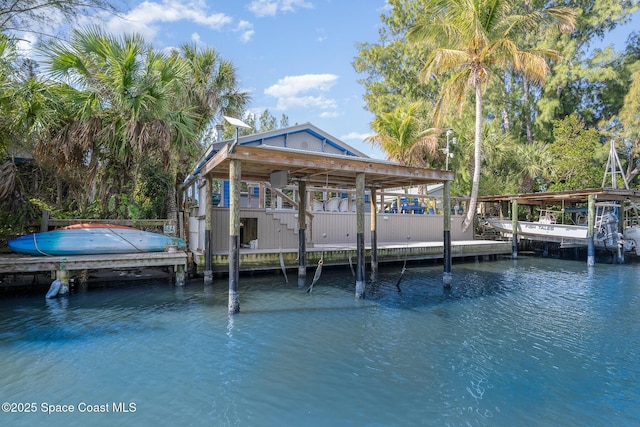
<point x="329" y="114"/>
<point x="302" y="91"/>
<point x="146" y="17"/>
<point x="262" y="8"/>
<point x="26" y="44"/>
<point x="305" y="102"/>
<point x="287" y="5"/>
<point x="293" y="85"/>
<point x="355" y="136"/>
<point x="246" y="30"/>
<point x="195" y="37"/>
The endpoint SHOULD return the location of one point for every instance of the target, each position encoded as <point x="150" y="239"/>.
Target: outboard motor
<point x="609" y="229"/>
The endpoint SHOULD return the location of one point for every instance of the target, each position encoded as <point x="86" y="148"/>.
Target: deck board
<point x="33" y="264"/>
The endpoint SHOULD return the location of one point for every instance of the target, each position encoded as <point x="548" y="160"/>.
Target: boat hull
<point x="545" y="231"/>
<point x="566" y="235"/>
<point x="93" y="240"/>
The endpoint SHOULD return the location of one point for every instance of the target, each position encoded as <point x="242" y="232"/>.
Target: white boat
<point x="631" y="232"/>
<point x="605" y="233"/>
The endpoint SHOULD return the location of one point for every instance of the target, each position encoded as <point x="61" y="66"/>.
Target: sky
<point x="294" y="57"/>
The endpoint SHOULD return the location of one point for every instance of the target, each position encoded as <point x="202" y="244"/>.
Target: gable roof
<point x="302" y="137"/>
<point x="310" y="155"/>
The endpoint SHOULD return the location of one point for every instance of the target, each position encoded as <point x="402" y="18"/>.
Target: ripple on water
<point x="534" y="342"/>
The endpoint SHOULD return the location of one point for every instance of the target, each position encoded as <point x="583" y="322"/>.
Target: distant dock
<point x="268" y="259"/>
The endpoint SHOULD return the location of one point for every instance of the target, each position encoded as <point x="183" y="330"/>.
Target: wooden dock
<point x="268" y="259"/>
<point x="250" y="259"/>
<point x="11" y="264"/>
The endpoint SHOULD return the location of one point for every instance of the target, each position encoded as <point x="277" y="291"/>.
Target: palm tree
<point x="403" y="137"/>
<point x="213" y="85"/>
<point x="534" y="160"/>
<point x="125" y="107"/>
<point x="469" y="42"/>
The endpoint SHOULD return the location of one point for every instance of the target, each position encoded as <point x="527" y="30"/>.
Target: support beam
<point x="591" y="212"/>
<point x="514" y="229"/>
<point x="374" y="235"/>
<point x="235" y="173"/>
<point x="302" y="228"/>
<point x="446" y="206"/>
<point x="208" y="231"/>
<point x="360" y="235"/>
<point x="62" y="274"/>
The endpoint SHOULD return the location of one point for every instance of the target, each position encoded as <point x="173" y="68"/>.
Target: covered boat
<point x="605" y="230"/>
<point x="93" y="239"/>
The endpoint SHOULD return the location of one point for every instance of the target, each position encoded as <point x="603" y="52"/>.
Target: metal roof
<point x="308" y="128"/>
<point x="573" y="196"/>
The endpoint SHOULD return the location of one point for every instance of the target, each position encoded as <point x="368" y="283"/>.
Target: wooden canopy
<point x="574" y="196"/>
<point x="316" y="168"/>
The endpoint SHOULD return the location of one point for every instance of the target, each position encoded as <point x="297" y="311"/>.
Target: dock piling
<point x="374" y="236"/>
<point x="360" y="292"/>
<point x="591" y="212"/>
<point x="235" y="172"/>
<point x="514" y="229"/>
<point x="208" y="232"/>
<point x="446" y="205"/>
<point x="302" y="228"/>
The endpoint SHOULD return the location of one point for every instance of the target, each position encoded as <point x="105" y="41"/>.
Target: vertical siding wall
<point x="325" y="228"/>
<point x="340" y="227"/>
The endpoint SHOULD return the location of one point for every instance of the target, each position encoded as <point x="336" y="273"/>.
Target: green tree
<point x="468" y="41"/>
<point x="212" y="87"/>
<point x="210" y="91"/>
<point x="591" y="82"/>
<point x="629" y="115"/>
<point x="391" y="67"/>
<point x="402" y="135"/>
<point x="125" y="109"/>
<point x="267" y="121"/>
<point x="284" y="121"/>
<point x="575" y="152"/>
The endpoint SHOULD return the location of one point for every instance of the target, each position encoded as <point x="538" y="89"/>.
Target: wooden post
<point x="180" y="274"/>
<point x="208" y="231"/>
<point x="446" y="206"/>
<point x="514" y="229"/>
<point x="44" y="224"/>
<point x="591" y="210"/>
<point x="374" y="236"/>
<point x="302" y="228"/>
<point x="360" y="235"/>
<point x="235" y="172"/>
<point x="62" y="274"/>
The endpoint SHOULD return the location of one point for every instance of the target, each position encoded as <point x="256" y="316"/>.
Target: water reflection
<point x="531" y="342"/>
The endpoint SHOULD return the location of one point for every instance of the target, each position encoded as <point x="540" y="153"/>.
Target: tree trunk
<point x="506" y="120"/>
<point x="527" y="111"/>
<point x="477" y="152"/>
<point x="172" y="203"/>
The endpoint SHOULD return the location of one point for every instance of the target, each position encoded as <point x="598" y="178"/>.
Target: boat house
<point x="271" y="199"/>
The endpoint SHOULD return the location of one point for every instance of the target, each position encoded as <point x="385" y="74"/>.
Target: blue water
<point x="535" y="342"/>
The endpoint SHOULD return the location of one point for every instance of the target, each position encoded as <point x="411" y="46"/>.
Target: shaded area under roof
<point x="258" y="162"/>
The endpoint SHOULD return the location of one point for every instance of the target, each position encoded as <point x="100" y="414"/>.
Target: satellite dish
<point x="236" y="122"/>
